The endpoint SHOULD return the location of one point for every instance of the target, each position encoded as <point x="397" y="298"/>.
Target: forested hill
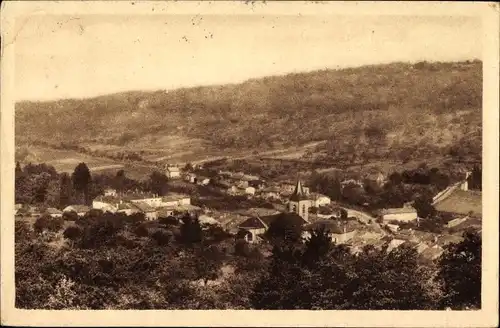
<point x="395" y="106"/>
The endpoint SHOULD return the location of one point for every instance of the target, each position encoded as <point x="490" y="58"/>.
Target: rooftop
<point x="174" y="197"/>
<point x="143" y="207"/>
<point x="299" y="193"/>
<point x="462" y="202"/>
<point x="79" y="208"/>
<point x="334" y="226"/>
<point x="52" y="210"/>
<point x="257" y="211"/>
<point x="265" y="221"/>
<point x="400" y="210"/>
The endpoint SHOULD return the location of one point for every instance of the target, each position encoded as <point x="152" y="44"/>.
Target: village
<point x="348" y="225"/>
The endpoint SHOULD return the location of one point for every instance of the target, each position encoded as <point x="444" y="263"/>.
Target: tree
<point x="460" y="273"/>
<point x="190" y="231"/>
<point x="395" y="178"/>
<point x="284" y="285"/>
<point x="475" y="180"/>
<point x="18" y="171"/>
<point x="188" y="167"/>
<point x="158" y="183"/>
<point x="402" y="288"/>
<point x="317" y="246"/>
<point x="424" y="207"/>
<point x="81" y="181"/>
<point x="286" y="227"/>
<point x="343" y="214"/>
<point x="65" y="190"/>
<point x="207" y="263"/>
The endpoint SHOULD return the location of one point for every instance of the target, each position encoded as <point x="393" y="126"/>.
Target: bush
<point x="48" y="223"/>
<point x="169" y="221"/>
<point x="70" y="216"/>
<point x="72" y="233"/>
<point x="161" y="237"/>
<point x="141" y="231"/>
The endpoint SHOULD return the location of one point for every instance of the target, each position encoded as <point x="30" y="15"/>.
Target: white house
<point x="127" y="208"/>
<point x="318" y="200"/>
<point x="81" y="210"/>
<point x="340" y="233"/>
<point x="175" y="200"/>
<point x="104" y="206"/>
<point x="150" y="199"/>
<point x="403" y="214"/>
<point x="203" y="181"/>
<point x="110" y="192"/>
<point x="393" y="227"/>
<point x="54" y="212"/>
<point x="250" y="190"/>
<point x="172" y="172"/>
<point x="190" y="177"/>
<point x="205" y="219"/>
<point x="149" y="212"/>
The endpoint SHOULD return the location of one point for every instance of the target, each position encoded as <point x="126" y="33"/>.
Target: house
<point x="150" y="213"/>
<point x="395" y="243"/>
<point x="110" y="192"/>
<point x="172" y="172"/>
<point x="105" y="206"/>
<point x="402" y="214"/>
<point x="318" y="200"/>
<point x="174" y="210"/>
<point x="153" y="200"/>
<point x="127" y="208"/>
<point x="54" y="212"/>
<point x="242" y="184"/>
<point x="257" y="212"/>
<point x="271" y="193"/>
<point x="190" y="177"/>
<point x="340" y="232"/>
<point x="208" y="220"/>
<point x="203" y="181"/>
<point x="257" y="184"/>
<point x="81" y="210"/>
<point x="253" y="228"/>
<point x="393" y="227"/>
<point x="249" y="191"/>
<point x="173" y="200"/>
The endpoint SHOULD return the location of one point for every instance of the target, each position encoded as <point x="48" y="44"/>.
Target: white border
<point x="486" y="317"/>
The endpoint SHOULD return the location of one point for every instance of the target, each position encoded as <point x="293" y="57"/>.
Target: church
<point x="300" y="202"/>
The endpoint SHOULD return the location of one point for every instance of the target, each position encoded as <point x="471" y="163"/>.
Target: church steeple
<point x="299" y="201"/>
<point x="298" y="193"/>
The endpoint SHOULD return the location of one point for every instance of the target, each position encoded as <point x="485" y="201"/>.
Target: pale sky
<point x="65" y="57"/>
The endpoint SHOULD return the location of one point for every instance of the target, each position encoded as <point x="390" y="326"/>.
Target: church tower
<point x="299" y="202"/>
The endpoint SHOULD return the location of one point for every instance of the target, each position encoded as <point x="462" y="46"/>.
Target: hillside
<point x="396" y="111"/>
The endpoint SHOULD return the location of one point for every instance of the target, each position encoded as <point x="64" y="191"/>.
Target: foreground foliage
<point x="107" y="261"/>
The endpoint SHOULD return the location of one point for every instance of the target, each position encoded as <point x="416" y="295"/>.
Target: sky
<point x="77" y="57"/>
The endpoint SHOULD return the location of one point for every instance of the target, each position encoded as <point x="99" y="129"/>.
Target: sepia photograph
<point x="253" y="160"/>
